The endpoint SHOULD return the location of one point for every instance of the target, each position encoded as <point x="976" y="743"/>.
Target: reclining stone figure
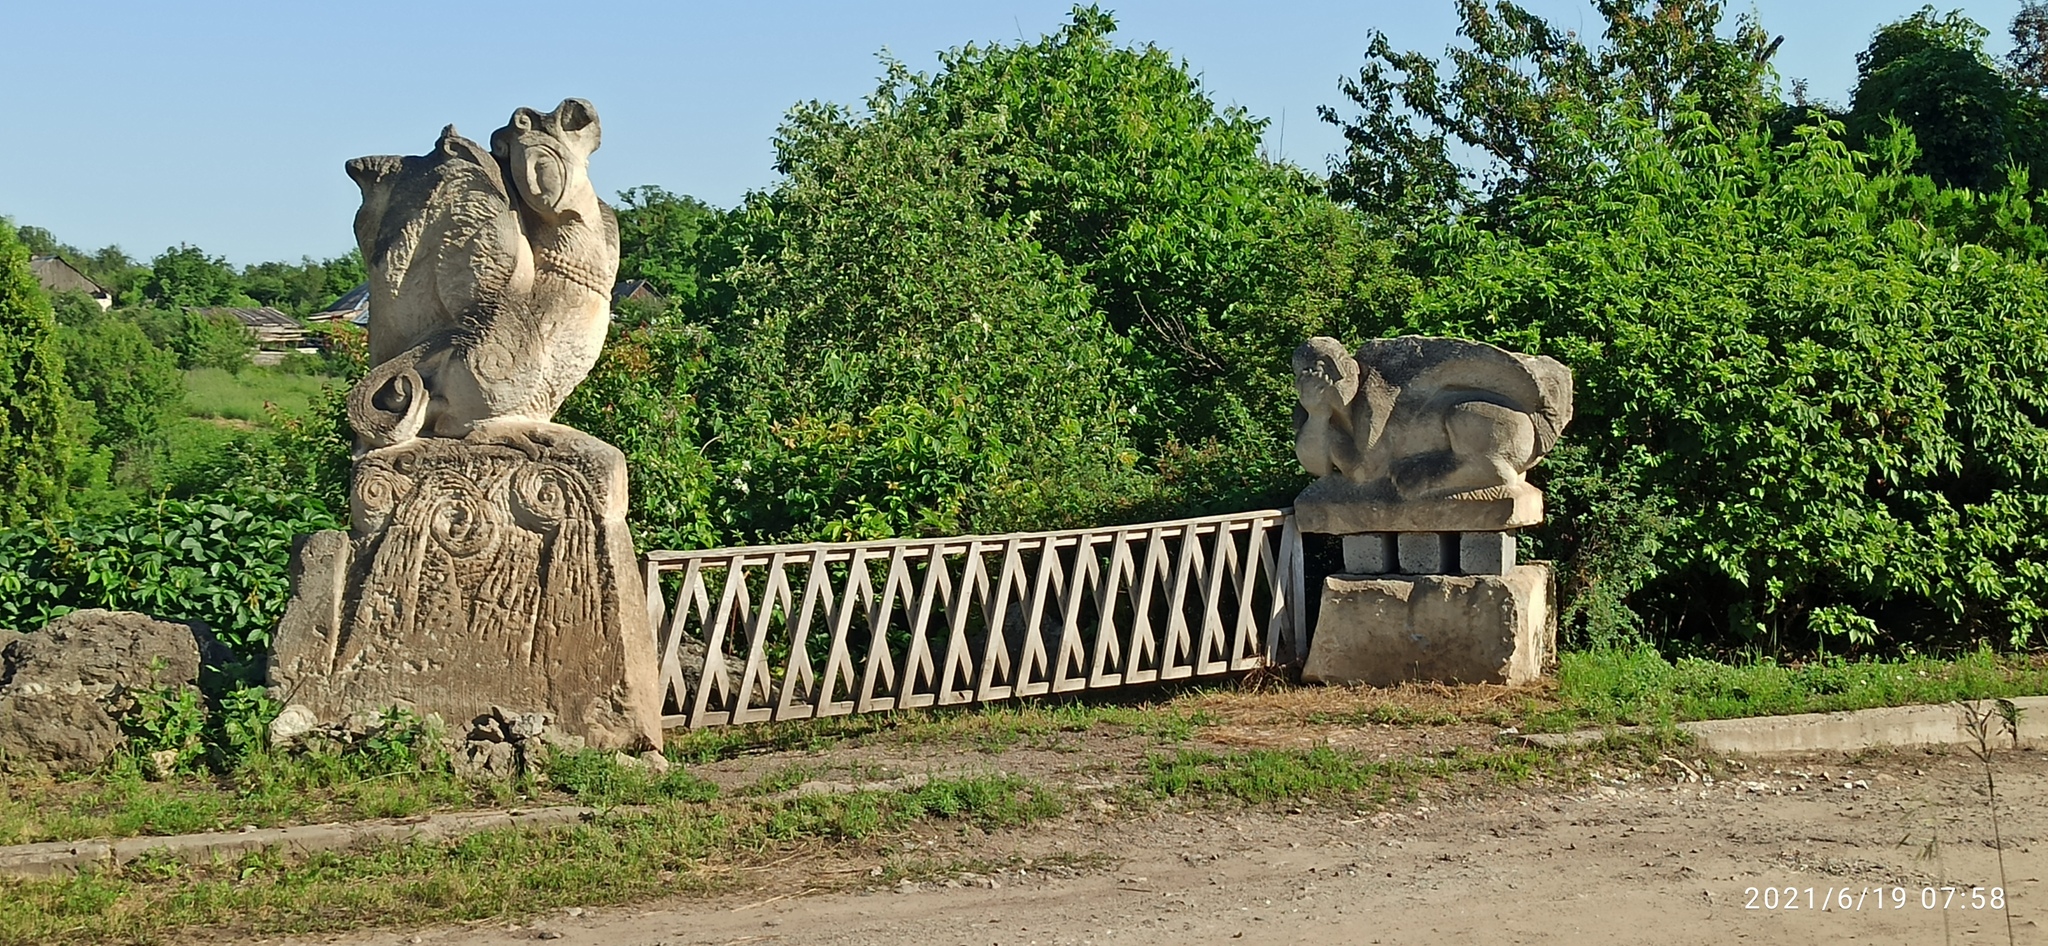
<point x="1424" y="420"/>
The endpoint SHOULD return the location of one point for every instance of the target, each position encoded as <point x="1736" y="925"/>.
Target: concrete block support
<point x="1486" y="553"/>
<point x="1369" y="554"/>
<point x="1442" y="628"/>
<point x="1424" y="553"/>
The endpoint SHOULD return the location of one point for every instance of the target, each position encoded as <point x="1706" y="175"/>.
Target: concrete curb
<point x="63" y="858"/>
<point x="1923" y="725"/>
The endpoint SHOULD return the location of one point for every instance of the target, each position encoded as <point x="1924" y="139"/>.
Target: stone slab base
<point x="1337" y="506"/>
<point x="1390" y="629"/>
<point x="488" y="571"/>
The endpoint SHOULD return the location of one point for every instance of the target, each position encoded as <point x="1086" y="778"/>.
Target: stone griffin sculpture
<point x="488" y="562"/>
<point x="1441" y="426"/>
<point x="490" y="277"/>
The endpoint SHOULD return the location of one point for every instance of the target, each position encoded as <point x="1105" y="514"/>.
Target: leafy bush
<point x="1835" y="417"/>
<point x="166" y="719"/>
<point x="1052" y="284"/>
<point x="218" y="559"/>
<point x="212" y="341"/>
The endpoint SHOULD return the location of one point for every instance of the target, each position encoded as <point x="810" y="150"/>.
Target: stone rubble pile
<point x="502" y="743"/>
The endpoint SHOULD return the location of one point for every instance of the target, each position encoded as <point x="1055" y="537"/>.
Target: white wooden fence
<point x="798" y="631"/>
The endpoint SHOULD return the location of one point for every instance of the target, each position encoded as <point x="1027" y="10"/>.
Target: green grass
<point x="241" y="396"/>
<point x="676" y="833"/>
<point x="596" y="778"/>
<point x="1637" y="685"/>
<point x="988" y="802"/>
<point x="673" y="847"/>
<point x="990" y="728"/>
<point x="1265" y="776"/>
<point x="270" y="790"/>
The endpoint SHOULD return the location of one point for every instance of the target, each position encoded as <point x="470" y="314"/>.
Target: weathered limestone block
<point x="58" y="731"/>
<point x="479" y="573"/>
<point x="95" y="651"/>
<point x="1445" y="628"/>
<point x="1336" y="506"/>
<point x="60" y="687"/>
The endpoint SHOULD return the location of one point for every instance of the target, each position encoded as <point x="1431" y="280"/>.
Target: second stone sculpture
<point x="1421" y="448"/>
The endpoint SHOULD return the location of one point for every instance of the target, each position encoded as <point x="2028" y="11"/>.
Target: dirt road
<point x="1761" y="855"/>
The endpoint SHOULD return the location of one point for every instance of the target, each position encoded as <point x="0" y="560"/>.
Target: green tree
<point x="130" y="385"/>
<point x="663" y="239"/>
<point x="1208" y="261"/>
<point x="40" y="242"/>
<point x="1212" y="261"/>
<point x="1805" y="416"/>
<point x="2028" y="60"/>
<point x="303" y="287"/>
<point x="35" y="437"/>
<point x="1545" y="112"/>
<point x="115" y="272"/>
<point x="1930" y="73"/>
<point x="75" y="308"/>
<point x="184" y="277"/>
<point x="212" y="341"/>
<point x="1051" y="282"/>
<point x="895" y="362"/>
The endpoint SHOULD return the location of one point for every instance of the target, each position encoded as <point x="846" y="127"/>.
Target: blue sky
<point x="225" y="124"/>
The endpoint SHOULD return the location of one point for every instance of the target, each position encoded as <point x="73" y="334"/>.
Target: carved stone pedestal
<point x="491" y="570"/>
<point x="1387" y="629"/>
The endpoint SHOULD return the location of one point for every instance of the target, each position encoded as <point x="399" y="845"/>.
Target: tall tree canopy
<point x="664" y="239"/>
<point x="185" y="276"/>
<point x="34" y="434"/>
<point x="1542" y="109"/>
<point x="1051" y="282"/>
<point x="1930" y="73"/>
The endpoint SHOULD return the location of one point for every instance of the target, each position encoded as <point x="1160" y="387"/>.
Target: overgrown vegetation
<point x="1054" y="283"/>
<point x="36" y="435"/>
<point x="1637" y="685"/>
<point x="1809" y="363"/>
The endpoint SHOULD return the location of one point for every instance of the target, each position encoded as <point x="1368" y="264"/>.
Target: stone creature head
<point x="1325" y="374"/>
<point x="549" y="157"/>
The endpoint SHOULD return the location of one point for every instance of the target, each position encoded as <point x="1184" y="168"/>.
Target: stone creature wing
<point x="491" y="277"/>
<point x="444" y="245"/>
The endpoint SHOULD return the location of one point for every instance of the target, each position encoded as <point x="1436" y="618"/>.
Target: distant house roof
<point x="266" y="323"/>
<point x="353" y="306"/>
<point x="59" y="276"/>
<point x="637" y="290"/>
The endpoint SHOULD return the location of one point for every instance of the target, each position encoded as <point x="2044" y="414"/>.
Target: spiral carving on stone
<point x="543" y="496"/>
<point x="377" y="490"/>
<point x="463" y="520"/>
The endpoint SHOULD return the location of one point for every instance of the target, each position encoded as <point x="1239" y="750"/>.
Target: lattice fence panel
<point x="799" y="631"/>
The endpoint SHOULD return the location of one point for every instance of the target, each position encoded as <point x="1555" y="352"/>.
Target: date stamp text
<point x="1873" y="898"/>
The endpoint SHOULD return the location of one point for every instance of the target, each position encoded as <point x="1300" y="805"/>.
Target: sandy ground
<point x="1761" y="854"/>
